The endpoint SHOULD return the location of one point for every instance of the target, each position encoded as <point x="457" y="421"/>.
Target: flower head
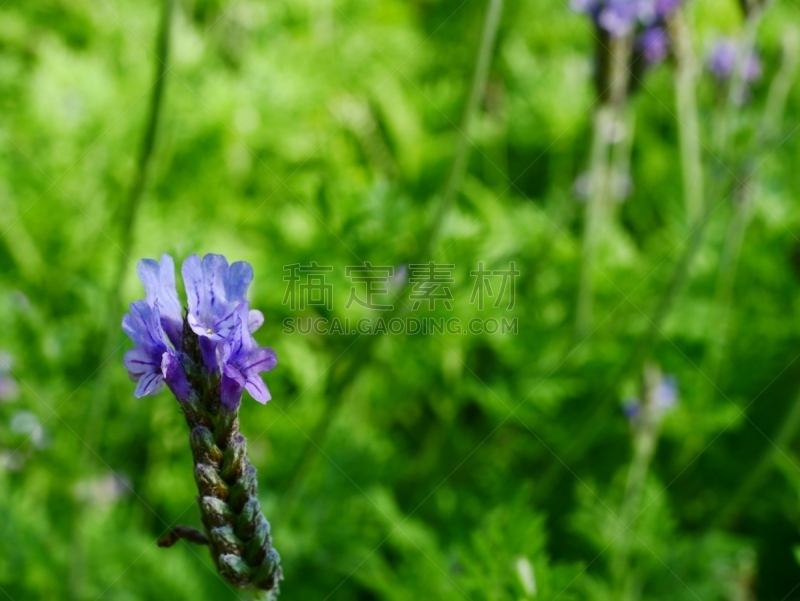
<point x="665" y="394"/>
<point x="243" y="360"/>
<point x="218" y="316"/>
<point x="722" y="59"/>
<point x="654" y="44"/>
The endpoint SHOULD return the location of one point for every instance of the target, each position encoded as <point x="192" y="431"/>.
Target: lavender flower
<point x="621" y="17"/>
<point x="665" y="394"/>
<point x="207" y="360"/>
<point x="654" y="44"/>
<point x="723" y="57"/>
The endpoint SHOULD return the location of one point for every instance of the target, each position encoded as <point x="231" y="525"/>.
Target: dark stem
<point x="238" y="534"/>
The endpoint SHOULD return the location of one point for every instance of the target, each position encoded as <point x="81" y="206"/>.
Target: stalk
<point x="776" y="104"/>
<point x="609" y="131"/>
<point x="686" y="74"/>
<point x="645" y="439"/>
<point x="236" y="531"/>
<point x="717" y="336"/>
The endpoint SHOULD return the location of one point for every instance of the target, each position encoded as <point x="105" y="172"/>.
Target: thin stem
<point x="776" y="104"/>
<point x="717" y="336"/>
<point x="609" y="130"/>
<point x="463" y="145"/>
<point x="686" y="74"/>
<point x="341" y="379"/>
<point x="645" y="440"/>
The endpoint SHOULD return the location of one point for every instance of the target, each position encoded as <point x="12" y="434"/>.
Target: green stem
<point x="686" y="74"/>
<point x="463" y="145"/>
<point x="609" y="131"/>
<point x="645" y="440"/>
<point x="776" y="104"/>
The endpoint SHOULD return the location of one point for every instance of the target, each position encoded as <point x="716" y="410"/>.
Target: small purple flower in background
<point x="751" y="68"/>
<point x="619" y="17"/>
<point x="664" y="8"/>
<point x="654" y="44"/>
<point x="665" y="395"/>
<point x="631" y="407"/>
<point x="645" y="20"/>
<point x="723" y="57"/>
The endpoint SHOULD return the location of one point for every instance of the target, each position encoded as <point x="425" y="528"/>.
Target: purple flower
<point x="242" y="361"/>
<point x="143" y="362"/>
<point x="722" y="58"/>
<point x="631" y="407"/>
<point x="655" y="45"/>
<point x="665" y="395"/>
<point x="619" y="17"/>
<point x="751" y="68"/>
<point x="159" y="287"/>
<point x="215" y="291"/>
<point x="664" y="8"/>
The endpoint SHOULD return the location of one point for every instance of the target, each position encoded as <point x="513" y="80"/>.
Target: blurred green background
<point x="484" y="467"/>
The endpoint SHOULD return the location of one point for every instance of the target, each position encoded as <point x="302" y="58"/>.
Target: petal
<point x="129" y="328"/>
<point x="234" y="374"/>
<point x="255" y="319"/>
<point x="192" y="273"/>
<point x="230" y="392"/>
<point x="223" y="326"/>
<point x="147" y="270"/>
<point x="258" y="360"/>
<point x="151" y="383"/>
<point x="175" y="376"/>
<point x="168" y="294"/>
<point x="208" y="348"/>
<point x="148" y="324"/>
<point x="232" y="347"/>
<point x="215" y="271"/>
<point x="239" y="277"/>
<point x="138" y="362"/>
<point x="257" y="389"/>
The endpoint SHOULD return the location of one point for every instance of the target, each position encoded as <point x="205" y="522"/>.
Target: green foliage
<point x="443" y="467"/>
